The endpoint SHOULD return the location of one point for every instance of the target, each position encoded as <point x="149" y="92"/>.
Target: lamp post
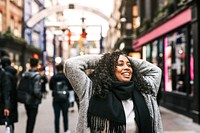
<point x="54" y="53"/>
<point x="60" y="48"/>
<point x="44" y="49"/>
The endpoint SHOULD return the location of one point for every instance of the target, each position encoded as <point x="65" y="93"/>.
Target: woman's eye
<point x="120" y="64"/>
<point x="129" y="65"/>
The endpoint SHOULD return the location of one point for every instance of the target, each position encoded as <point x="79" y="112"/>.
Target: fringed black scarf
<point x="107" y="114"/>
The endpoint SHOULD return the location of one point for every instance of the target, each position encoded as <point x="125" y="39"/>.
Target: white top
<point x="131" y="126"/>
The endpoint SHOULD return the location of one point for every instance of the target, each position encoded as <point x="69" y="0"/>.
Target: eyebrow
<point x="122" y="60"/>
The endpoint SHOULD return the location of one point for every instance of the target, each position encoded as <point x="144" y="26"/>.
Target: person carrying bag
<point x="60" y="86"/>
<point x="8" y="127"/>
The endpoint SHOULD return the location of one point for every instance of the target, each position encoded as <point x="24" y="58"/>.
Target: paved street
<point x="45" y="119"/>
<point x="175" y="123"/>
<point x="172" y="122"/>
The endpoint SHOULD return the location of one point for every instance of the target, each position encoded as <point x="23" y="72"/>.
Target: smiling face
<point x="123" y="69"/>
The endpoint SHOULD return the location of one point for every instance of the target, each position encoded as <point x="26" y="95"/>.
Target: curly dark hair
<point x="104" y="74"/>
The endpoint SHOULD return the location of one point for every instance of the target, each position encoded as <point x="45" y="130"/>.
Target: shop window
<point x="148" y="52"/>
<point x="191" y="89"/>
<point x="144" y="52"/>
<point x="160" y="62"/>
<point x="15" y="61"/>
<point x="168" y="65"/>
<point x="160" y="53"/>
<point x="175" y="67"/>
<point x="179" y="62"/>
<point x="154" y="52"/>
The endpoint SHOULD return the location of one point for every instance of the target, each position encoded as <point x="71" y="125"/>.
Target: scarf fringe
<point x="96" y="123"/>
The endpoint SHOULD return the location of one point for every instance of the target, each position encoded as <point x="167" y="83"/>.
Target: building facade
<point x="35" y="36"/>
<point x="11" y="14"/>
<point x="168" y="37"/>
<point x="121" y="35"/>
<point x="12" y="26"/>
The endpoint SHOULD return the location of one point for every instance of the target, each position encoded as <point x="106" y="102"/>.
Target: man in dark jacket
<point x="12" y="78"/>
<point x="4" y="91"/>
<point x="32" y="108"/>
<point x="58" y="104"/>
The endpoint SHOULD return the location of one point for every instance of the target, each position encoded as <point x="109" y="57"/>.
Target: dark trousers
<point x="31" y="111"/>
<point x="60" y="107"/>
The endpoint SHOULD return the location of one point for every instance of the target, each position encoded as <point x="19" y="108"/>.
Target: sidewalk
<point x="176" y="123"/>
<point x="172" y="122"/>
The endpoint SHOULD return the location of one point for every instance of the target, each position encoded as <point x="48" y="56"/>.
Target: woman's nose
<point x="126" y="66"/>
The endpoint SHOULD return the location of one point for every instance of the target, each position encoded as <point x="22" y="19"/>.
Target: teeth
<point x="126" y="74"/>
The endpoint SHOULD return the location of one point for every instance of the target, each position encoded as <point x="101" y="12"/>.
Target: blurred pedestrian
<point x="44" y="81"/>
<point x="5" y="92"/>
<point x="11" y="72"/>
<point x="119" y="96"/>
<point x="60" y="86"/>
<point x="36" y="96"/>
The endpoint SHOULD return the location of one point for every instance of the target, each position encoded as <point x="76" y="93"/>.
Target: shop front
<point x="19" y="52"/>
<point x="13" y="49"/>
<point x="171" y="46"/>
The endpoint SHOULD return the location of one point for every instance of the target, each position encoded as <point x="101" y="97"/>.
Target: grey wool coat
<point x="75" y="72"/>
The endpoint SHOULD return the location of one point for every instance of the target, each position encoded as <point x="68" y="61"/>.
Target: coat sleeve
<point x="7" y="88"/>
<point x="74" y="69"/>
<point x="52" y="83"/>
<point x="150" y="72"/>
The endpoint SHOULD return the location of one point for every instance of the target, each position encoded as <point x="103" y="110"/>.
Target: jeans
<point x="60" y="107"/>
<point x="31" y="111"/>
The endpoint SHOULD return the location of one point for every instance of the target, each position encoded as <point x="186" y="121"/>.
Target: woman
<point x="118" y="96"/>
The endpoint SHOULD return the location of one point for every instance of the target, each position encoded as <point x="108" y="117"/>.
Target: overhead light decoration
<point x="69" y="34"/>
<point x="83" y="34"/>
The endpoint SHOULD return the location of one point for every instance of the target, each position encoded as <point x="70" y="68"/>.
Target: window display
<point x="175" y="67"/>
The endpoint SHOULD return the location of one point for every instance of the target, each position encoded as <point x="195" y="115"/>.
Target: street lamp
<point x="58" y="60"/>
<point x="54" y="53"/>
